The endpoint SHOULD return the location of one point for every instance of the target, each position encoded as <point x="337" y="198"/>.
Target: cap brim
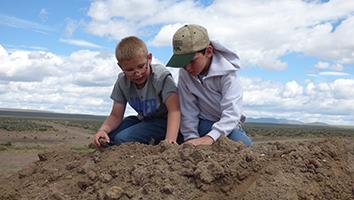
<point x="180" y="61"/>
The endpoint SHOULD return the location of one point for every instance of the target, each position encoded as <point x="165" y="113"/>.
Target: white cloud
<point x="310" y="88"/>
<point x="91" y="68"/>
<point x="99" y="11"/>
<point x="163" y="37"/>
<point x="261" y="31"/>
<point x="343" y="89"/>
<point x="258" y="92"/>
<point x="329" y="102"/>
<point x="292" y="89"/>
<point x="13" y="48"/>
<point x="71" y="26"/>
<point x="3" y="51"/>
<point x="24" y="24"/>
<point x="29" y="66"/>
<point x="324" y="65"/>
<point x="333" y="74"/>
<point x="112" y="29"/>
<point x="79" y="83"/>
<point x="337" y="67"/>
<point x="80" y="43"/>
<point x="105" y="10"/>
<point x="43" y="15"/>
<point x="327" y="44"/>
<point x="312" y="75"/>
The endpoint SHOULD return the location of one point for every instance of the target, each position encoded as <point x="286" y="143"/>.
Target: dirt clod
<point x="42" y="157"/>
<point x="114" y="193"/>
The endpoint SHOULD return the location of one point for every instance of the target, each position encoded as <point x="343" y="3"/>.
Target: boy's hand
<point x="101" y="138"/>
<point x="205" y="140"/>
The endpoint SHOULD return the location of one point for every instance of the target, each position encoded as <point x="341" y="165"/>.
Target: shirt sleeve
<point x="231" y="103"/>
<point x="189" y="108"/>
<point x="117" y="92"/>
<point x="168" y="87"/>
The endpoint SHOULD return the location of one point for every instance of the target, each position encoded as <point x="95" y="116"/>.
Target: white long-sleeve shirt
<point x="217" y="97"/>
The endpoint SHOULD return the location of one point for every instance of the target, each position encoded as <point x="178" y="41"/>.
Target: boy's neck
<point x="206" y="68"/>
<point x="140" y="85"/>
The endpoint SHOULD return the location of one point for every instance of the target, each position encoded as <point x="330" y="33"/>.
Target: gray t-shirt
<point x="149" y="101"/>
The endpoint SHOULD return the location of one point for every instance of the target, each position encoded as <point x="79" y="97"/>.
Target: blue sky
<point x="297" y="56"/>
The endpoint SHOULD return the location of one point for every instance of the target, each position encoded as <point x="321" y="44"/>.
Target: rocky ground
<point x="289" y="169"/>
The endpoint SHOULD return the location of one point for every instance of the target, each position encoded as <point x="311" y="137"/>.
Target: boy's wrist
<point x="213" y="134"/>
<point x="104" y="130"/>
<point x="210" y="138"/>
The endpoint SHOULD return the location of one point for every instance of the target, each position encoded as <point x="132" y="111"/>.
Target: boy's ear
<point x="149" y="56"/>
<point x="209" y="50"/>
<point x="119" y="65"/>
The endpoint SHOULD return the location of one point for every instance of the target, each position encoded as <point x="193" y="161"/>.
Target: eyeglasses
<point x="139" y="70"/>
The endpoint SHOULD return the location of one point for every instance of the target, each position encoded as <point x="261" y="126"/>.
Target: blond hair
<point x="130" y="47"/>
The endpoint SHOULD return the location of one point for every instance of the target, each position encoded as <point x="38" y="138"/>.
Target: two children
<point x="208" y="89"/>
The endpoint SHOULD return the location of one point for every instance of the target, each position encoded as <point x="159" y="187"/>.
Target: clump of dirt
<point x="226" y="170"/>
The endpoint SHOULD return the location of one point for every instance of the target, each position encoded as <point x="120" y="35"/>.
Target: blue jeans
<point x="237" y="134"/>
<point x="147" y="131"/>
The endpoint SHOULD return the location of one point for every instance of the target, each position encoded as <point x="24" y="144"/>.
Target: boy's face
<point x="200" y="62"/>
<point x="137" y="69"/>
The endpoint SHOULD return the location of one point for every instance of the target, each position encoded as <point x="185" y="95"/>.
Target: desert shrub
<point x="14" y="124"/>
<point x="278" y="130"/>
<point x="92" y="125"/>
<point x="4" y="146"/>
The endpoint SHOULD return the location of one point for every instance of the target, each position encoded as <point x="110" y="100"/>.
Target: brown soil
<point x="317" y="169"/>
<point x="22" y="147"/>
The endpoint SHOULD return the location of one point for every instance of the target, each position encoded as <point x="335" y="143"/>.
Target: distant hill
<point x="273" y="121"/>
<point x="23" y="113"/>
<point x="317" y="124"/>
<point x="283" y="121"/>
<point x="23" y="110"/>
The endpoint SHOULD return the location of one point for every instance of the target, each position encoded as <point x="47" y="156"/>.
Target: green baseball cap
<point x="187" y="40"/>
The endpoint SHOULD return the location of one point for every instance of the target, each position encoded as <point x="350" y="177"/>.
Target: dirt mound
<point x="321" y="169"/>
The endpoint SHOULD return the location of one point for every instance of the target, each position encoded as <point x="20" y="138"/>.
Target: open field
<point x="261" y="132"/>
<point x="50" y="159"/>
<point x="21" y="139"/>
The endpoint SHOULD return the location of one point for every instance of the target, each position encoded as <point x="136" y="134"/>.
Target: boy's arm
<point x="173" y="118"/>
<point x="111" y="123"/>
<point x="189" y="108"/>
<point x="231" y="107"/>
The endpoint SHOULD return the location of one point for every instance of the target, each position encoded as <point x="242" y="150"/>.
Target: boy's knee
<point x="241" y="136"/>
<point x="130" y="136"/>
<point x="120" y="138"/>
<point x="247" y="141"/>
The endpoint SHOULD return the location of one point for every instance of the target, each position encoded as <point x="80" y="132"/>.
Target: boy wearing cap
<point x="150" y="91"/>
<point x="209" y="89"/>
